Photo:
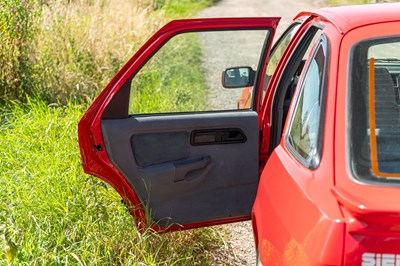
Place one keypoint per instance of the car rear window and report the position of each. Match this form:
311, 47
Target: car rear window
374, 110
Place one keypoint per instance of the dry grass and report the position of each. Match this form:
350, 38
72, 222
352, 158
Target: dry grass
81, 45
116, 27
63, 50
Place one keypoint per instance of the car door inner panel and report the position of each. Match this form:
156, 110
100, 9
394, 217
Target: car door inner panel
192, 170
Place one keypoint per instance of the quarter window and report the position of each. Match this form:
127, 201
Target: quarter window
304, 131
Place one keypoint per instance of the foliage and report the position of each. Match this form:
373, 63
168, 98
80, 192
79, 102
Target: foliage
64, 50
174, 7
17, 34
52, 213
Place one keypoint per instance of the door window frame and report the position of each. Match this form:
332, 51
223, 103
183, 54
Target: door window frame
312, 162
277, 45
289, 69
118, 105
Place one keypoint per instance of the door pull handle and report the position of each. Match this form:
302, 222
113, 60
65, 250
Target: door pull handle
182, 169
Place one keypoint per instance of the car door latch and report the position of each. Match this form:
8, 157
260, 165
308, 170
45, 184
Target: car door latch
98, 147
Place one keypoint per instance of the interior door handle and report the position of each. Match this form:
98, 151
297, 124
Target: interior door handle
182, 169
217, 136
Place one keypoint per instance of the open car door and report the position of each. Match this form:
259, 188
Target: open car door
157, 134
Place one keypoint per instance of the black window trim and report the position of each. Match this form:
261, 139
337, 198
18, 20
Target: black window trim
289, 69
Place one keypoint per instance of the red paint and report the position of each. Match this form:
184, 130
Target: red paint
371, 212
300, 216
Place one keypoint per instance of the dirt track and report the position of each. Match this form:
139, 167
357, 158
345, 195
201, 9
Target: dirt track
239, 248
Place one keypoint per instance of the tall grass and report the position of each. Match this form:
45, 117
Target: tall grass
52, 213
18, 25
83, 44
63, 50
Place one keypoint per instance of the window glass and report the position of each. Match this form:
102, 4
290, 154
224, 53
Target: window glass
279, 48
374, 110
185, 74
304, 129
277, 53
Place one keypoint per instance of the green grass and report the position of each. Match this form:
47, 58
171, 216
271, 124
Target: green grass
183, 8
63, 50
52, 213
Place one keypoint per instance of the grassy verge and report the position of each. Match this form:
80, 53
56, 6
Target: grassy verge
67, 50
52, 213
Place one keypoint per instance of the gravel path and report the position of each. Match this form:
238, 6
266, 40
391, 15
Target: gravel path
239, 246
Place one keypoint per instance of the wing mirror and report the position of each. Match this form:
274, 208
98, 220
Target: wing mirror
238, 77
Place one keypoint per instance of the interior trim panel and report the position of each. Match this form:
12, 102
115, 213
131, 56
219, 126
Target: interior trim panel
188, 167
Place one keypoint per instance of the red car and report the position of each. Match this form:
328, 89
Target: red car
315, 161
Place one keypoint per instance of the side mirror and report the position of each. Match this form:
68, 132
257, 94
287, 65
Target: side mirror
238, 77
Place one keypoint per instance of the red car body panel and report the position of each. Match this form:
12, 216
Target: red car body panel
359, 222
303, 207
300, 216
